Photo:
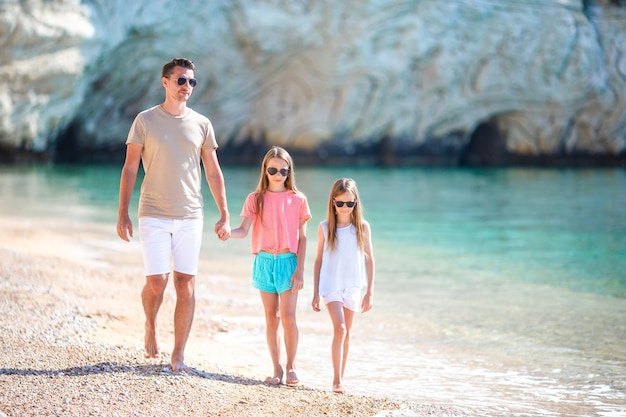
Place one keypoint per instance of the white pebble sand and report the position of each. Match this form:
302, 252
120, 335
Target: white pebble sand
71, 332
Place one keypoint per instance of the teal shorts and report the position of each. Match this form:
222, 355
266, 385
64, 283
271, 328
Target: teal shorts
273, 273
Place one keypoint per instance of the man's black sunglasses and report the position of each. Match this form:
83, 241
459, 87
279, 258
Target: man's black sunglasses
350, 204
183, 80
272, 171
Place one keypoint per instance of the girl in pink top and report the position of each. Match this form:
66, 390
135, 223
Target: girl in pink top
278, 213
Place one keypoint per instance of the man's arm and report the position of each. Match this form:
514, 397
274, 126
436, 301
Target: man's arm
215, 179
127, 184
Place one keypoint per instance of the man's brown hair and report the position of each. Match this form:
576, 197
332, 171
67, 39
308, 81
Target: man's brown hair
177, 62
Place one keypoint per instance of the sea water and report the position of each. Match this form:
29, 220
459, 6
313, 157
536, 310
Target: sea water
500, 291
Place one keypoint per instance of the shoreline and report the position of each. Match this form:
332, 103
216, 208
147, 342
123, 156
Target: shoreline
72, 328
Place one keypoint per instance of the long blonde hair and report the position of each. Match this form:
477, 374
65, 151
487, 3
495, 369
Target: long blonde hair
290, 182
343, 185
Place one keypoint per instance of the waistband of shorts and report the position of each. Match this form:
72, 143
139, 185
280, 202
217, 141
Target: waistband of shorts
276, 256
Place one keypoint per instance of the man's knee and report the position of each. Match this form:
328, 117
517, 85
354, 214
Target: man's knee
157, 283
184, 284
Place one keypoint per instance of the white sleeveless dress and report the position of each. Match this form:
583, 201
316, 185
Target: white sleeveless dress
344, 267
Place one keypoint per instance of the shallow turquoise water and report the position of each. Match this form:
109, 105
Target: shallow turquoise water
564, 227
504, 284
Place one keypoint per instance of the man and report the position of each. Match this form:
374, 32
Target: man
170, 140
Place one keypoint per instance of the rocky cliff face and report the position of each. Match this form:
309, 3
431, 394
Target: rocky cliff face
477, 82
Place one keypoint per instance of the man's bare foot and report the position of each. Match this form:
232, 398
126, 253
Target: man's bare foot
292, 378
179, 366
338, 389
151, 343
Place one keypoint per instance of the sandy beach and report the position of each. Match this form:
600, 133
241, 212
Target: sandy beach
72, 338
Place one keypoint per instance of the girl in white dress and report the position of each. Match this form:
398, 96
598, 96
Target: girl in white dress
344, 265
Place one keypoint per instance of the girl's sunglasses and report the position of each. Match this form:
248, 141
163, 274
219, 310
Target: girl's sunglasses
272, 171
340, 204
183, 80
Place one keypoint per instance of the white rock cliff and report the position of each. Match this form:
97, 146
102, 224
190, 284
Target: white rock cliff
468, 77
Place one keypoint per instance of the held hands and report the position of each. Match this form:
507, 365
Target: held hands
222, 229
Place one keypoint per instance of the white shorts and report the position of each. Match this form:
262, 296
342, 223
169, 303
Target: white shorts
166, 239
349, 297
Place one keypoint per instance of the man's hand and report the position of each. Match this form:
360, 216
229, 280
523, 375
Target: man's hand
222, 229
124, 228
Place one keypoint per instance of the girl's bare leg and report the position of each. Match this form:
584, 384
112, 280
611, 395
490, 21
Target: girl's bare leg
348, 316
288, 302
336, 311
272, 322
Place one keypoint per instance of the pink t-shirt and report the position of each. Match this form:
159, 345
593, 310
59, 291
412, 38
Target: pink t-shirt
280, 226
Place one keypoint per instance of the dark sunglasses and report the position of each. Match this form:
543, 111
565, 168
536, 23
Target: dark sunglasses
183, 80
272, 171
340, 204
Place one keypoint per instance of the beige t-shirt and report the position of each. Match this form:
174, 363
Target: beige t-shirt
172, 145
